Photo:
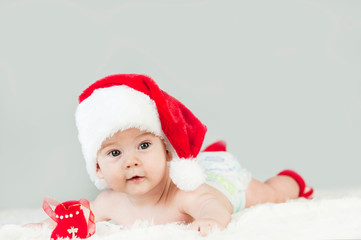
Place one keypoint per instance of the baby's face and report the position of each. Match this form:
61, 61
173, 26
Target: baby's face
133, 161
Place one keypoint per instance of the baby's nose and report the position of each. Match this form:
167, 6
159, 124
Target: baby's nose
132, 161
132, 164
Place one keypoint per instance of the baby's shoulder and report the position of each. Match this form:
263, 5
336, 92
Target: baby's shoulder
200, 190
202, 193
104, 204
192, 201
109, 196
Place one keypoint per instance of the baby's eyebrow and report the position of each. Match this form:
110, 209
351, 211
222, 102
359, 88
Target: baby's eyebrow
106, 145
141, 135
145, 134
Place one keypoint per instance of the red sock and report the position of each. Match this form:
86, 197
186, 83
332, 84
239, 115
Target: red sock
305, 191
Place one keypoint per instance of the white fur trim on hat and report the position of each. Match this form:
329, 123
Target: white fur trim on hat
107, 111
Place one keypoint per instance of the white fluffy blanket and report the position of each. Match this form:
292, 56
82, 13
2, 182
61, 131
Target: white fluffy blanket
330, 215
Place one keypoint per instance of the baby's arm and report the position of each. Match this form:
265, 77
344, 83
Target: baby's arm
100, 206
209, 208
47, 222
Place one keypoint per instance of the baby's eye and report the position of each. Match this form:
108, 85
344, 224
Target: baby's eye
144, 145
114, 153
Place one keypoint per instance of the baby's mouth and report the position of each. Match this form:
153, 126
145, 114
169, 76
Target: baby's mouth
135, 178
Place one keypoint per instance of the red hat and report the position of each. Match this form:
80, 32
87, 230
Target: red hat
123, 101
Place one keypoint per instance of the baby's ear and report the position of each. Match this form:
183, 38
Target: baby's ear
169, 156
99, 172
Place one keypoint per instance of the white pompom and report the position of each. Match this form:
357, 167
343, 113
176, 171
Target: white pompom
187, 174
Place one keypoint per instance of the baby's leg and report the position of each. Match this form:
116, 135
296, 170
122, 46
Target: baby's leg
277, 189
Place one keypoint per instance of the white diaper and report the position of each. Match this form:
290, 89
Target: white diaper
224, 172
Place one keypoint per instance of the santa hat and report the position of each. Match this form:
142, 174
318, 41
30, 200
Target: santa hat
123, 101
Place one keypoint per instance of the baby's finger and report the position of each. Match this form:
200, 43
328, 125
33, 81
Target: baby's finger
205, 230
202, 227
195, 226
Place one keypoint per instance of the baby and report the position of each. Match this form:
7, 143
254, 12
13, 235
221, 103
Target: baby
142, 147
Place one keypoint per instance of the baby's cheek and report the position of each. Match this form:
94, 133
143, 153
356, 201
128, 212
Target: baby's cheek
115, 182
160, 172
109, 174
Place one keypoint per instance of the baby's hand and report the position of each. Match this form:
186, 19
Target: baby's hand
33, 225
46, 223
204, 226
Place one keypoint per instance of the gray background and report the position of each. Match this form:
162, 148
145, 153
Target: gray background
280, 81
